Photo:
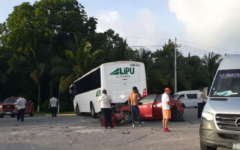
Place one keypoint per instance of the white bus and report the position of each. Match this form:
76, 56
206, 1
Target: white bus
118, 78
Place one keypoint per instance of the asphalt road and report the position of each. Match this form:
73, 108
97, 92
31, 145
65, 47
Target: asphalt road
85, 133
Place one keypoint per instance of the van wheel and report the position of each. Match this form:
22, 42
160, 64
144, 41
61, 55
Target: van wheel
12, 116
93, 114
128, 116
183, 105
31, 114
205, 147
78, 111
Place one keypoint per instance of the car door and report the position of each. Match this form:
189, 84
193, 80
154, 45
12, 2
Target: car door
146, 105
184, 100
157, 107
192, 100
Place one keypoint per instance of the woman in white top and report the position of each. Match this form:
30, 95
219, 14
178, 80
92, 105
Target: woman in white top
106, 110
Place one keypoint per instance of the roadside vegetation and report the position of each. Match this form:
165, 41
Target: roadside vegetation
45, 46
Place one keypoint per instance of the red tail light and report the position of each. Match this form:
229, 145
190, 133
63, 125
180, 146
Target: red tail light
144, 92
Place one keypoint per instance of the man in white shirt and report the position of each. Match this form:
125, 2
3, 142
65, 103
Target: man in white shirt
106, 110
201, 103
21, 102
166, 112
53, 105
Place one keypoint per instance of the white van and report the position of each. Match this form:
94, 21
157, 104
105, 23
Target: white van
187, 98
118, 78
220, 123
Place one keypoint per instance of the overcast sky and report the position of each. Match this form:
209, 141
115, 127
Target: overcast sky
200, 25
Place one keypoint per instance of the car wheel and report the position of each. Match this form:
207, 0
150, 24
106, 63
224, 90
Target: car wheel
128, 116
93, 114
183, 105
12, 116
78, 111
1, 116
31, 114
205, 147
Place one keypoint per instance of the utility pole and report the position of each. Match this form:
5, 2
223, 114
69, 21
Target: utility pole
175, 66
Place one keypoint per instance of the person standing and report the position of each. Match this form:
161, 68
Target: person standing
21, 102
166, 109
201, 103
106, 110
53, 105
133, 103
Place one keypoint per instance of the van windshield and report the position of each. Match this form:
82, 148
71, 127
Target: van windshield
226, 84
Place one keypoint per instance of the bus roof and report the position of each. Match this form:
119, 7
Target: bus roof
109, 63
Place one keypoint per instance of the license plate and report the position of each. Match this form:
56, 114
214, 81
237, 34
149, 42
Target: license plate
236, 146
8, 113
122, 121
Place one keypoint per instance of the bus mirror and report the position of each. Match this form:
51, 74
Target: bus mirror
205, 93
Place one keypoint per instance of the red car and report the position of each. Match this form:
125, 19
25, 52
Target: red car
8, 107
117, 119
150, 107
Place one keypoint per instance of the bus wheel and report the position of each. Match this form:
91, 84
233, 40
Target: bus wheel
78, 111
128, 116
93, 114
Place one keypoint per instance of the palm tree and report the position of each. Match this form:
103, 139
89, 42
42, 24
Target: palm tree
26, 61
211, 63
74, 65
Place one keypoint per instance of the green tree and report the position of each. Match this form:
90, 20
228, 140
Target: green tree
211, 63
74, 65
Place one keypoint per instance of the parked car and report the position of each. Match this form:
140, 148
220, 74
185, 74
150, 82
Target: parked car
150, 107
8, 107
187, 98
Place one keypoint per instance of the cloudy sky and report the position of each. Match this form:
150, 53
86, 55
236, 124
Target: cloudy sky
200, 26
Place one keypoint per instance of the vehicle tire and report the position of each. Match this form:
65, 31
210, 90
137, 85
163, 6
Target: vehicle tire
93, 114
205, 147
183, 105
12, 116
128, 116
31, 114
78, 111
1, 116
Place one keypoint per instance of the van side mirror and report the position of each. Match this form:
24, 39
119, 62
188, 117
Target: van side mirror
205, 93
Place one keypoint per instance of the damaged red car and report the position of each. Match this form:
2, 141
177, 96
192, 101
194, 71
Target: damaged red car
150, 107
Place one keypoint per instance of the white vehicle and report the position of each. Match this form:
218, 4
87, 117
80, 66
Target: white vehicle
220, 123
118, 78
187, 98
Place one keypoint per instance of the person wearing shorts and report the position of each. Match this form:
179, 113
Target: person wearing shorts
166, 109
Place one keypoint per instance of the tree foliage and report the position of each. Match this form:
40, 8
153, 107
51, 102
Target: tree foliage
52, 43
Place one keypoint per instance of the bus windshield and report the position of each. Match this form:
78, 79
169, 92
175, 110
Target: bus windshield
226, 84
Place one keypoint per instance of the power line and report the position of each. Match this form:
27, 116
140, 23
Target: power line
203, 45
195, 48
190, 50
148, 46
146, 38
